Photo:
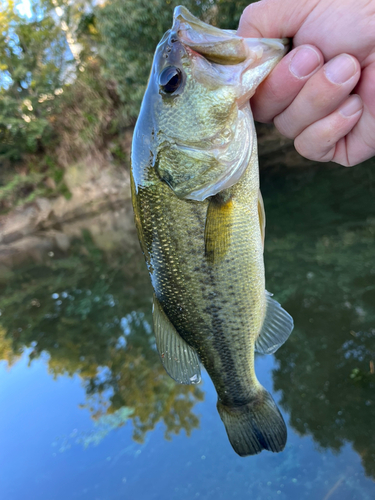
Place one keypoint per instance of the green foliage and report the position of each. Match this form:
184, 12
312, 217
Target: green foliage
34, 65
43, 177
131, 30
88, 116
19, 188
226, 13
50, 113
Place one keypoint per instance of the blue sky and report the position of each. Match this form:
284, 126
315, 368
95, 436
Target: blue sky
24, 8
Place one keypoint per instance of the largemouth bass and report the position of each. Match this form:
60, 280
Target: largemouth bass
200, 220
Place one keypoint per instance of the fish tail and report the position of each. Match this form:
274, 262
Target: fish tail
254, 426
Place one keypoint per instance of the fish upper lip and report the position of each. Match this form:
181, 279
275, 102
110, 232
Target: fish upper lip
185, 25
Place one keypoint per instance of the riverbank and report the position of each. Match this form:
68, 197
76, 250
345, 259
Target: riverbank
33, 229
97, 189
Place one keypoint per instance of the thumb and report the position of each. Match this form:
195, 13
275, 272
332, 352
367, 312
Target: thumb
274, 18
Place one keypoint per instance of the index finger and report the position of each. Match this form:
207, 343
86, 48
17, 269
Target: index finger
273, 18
285, 82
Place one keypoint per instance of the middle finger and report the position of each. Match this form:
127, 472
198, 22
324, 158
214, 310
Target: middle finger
320, 96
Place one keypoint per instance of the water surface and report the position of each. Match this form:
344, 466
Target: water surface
87, 410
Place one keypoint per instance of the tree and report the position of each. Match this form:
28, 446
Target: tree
130, 31
226, 13
35, 63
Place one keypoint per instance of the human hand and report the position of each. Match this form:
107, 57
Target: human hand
308, 95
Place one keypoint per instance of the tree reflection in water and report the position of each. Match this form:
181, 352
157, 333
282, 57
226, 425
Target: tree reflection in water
91, 313
320, 262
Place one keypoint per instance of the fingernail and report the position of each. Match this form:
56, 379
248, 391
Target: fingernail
351, 107
304, 62
340, 69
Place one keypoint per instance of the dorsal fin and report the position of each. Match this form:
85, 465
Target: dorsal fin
179, 359
277, 327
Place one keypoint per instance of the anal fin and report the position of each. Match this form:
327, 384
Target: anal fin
179, 359
277, 326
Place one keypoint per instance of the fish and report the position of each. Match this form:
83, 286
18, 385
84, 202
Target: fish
201, 224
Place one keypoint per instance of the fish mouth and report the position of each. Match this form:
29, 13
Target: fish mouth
223, 46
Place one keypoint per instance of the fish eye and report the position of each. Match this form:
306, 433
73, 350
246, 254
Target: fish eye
170, 79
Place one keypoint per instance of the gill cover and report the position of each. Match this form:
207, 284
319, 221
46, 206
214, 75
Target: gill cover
196, 127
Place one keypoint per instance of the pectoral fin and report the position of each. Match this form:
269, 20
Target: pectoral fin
218, 230
277, 327
179, 359
262, 216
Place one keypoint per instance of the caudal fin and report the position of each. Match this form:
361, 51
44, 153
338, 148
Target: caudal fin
255, 426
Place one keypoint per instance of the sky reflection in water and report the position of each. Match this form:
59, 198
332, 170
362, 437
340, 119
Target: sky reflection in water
87, 407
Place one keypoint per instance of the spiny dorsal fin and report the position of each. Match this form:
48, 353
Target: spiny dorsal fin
262, 216
218, 230
277, 327
179, 359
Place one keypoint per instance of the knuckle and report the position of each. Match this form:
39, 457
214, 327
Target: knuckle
247, 12
274, 92
262, 115
322, 100
284, 126
299, 146
268, 101
307, 150
246, 16
320, 96
253, 19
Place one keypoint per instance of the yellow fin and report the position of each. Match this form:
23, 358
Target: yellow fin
262, 216
218, 230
